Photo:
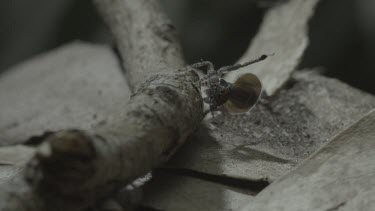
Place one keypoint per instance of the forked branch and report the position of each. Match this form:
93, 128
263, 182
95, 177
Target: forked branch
73, 169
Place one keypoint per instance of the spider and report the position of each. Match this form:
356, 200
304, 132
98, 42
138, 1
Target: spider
216, 91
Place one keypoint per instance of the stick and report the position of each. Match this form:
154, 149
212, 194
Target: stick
73, 168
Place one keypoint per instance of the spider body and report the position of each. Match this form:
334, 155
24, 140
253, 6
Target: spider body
217, 93
238, 97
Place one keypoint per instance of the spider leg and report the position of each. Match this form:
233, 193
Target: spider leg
196, 66
226, 69
211, 109
203, 64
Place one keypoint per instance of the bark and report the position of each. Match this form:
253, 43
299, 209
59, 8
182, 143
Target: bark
145, 38
72, 169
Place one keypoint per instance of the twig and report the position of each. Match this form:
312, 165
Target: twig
145, 38
73, 169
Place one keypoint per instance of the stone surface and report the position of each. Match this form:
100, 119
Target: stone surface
278, 133
15, 155
340, 176
284, 31
13, 160
76, 86
180, 193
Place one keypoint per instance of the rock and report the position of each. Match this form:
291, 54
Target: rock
283, 130
76, 86
173, 192
284, 31
340, 176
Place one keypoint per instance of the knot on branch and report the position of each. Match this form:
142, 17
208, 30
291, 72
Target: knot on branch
63, 162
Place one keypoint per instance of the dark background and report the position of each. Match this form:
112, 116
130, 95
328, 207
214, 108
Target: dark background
342, 32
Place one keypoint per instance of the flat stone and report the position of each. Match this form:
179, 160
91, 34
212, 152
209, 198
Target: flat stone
340, 176
278, 133
76, 86
284, 31
180, 193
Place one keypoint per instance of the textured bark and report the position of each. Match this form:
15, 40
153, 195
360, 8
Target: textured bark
144, 37
73, 168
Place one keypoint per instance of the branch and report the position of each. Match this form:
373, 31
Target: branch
72, 169
145, 37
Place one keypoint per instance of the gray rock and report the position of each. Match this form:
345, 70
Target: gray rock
278, 133
284, 31
76, 86
171, 192
340, 176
